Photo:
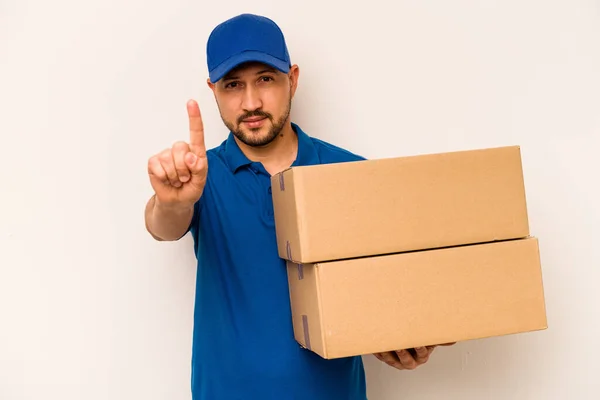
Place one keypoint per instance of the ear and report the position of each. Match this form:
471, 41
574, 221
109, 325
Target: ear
294, 74
210, 84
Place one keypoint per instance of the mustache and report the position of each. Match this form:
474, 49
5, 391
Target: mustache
256, 113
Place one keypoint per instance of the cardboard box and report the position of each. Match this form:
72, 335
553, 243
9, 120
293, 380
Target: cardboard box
391, 302
354, 209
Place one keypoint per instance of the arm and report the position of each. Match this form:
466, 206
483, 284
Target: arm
167, 223
178, 176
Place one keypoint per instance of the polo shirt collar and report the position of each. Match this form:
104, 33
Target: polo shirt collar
307, 153
234, 155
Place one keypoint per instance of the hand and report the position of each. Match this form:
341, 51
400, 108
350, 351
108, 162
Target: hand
408, 358
178, 174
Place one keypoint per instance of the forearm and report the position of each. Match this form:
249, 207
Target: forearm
167, 223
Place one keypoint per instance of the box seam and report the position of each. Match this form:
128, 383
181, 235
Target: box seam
323, 338
299, 210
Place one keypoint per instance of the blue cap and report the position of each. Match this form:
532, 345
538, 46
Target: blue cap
244, 38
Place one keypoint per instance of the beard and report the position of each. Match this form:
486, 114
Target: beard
256, 141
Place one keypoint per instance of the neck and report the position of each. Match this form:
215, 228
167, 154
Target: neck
277, 155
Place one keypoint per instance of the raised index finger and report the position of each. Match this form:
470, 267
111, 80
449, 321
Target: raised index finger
196, 129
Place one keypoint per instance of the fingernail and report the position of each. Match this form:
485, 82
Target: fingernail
184, 178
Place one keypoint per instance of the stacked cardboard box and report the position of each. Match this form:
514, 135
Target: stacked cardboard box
402, 252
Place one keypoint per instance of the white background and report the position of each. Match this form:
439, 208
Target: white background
92, 308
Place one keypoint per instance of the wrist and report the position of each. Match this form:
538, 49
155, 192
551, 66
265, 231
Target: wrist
172, 208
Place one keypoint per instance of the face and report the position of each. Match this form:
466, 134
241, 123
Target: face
254, 101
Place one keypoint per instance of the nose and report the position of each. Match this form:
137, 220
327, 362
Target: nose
251, 99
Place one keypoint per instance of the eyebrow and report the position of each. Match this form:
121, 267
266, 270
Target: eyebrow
266, 70
262, 71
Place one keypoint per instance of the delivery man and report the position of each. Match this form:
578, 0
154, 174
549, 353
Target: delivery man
243, 342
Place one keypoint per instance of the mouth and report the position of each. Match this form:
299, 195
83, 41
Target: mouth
254, 122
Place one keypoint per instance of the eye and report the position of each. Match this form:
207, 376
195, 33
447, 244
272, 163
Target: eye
231, 85
266, 78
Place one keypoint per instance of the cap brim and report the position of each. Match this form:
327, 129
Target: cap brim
247, 56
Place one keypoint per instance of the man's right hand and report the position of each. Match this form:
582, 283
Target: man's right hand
178, 174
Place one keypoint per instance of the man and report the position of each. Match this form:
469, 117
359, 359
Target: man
243, 343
